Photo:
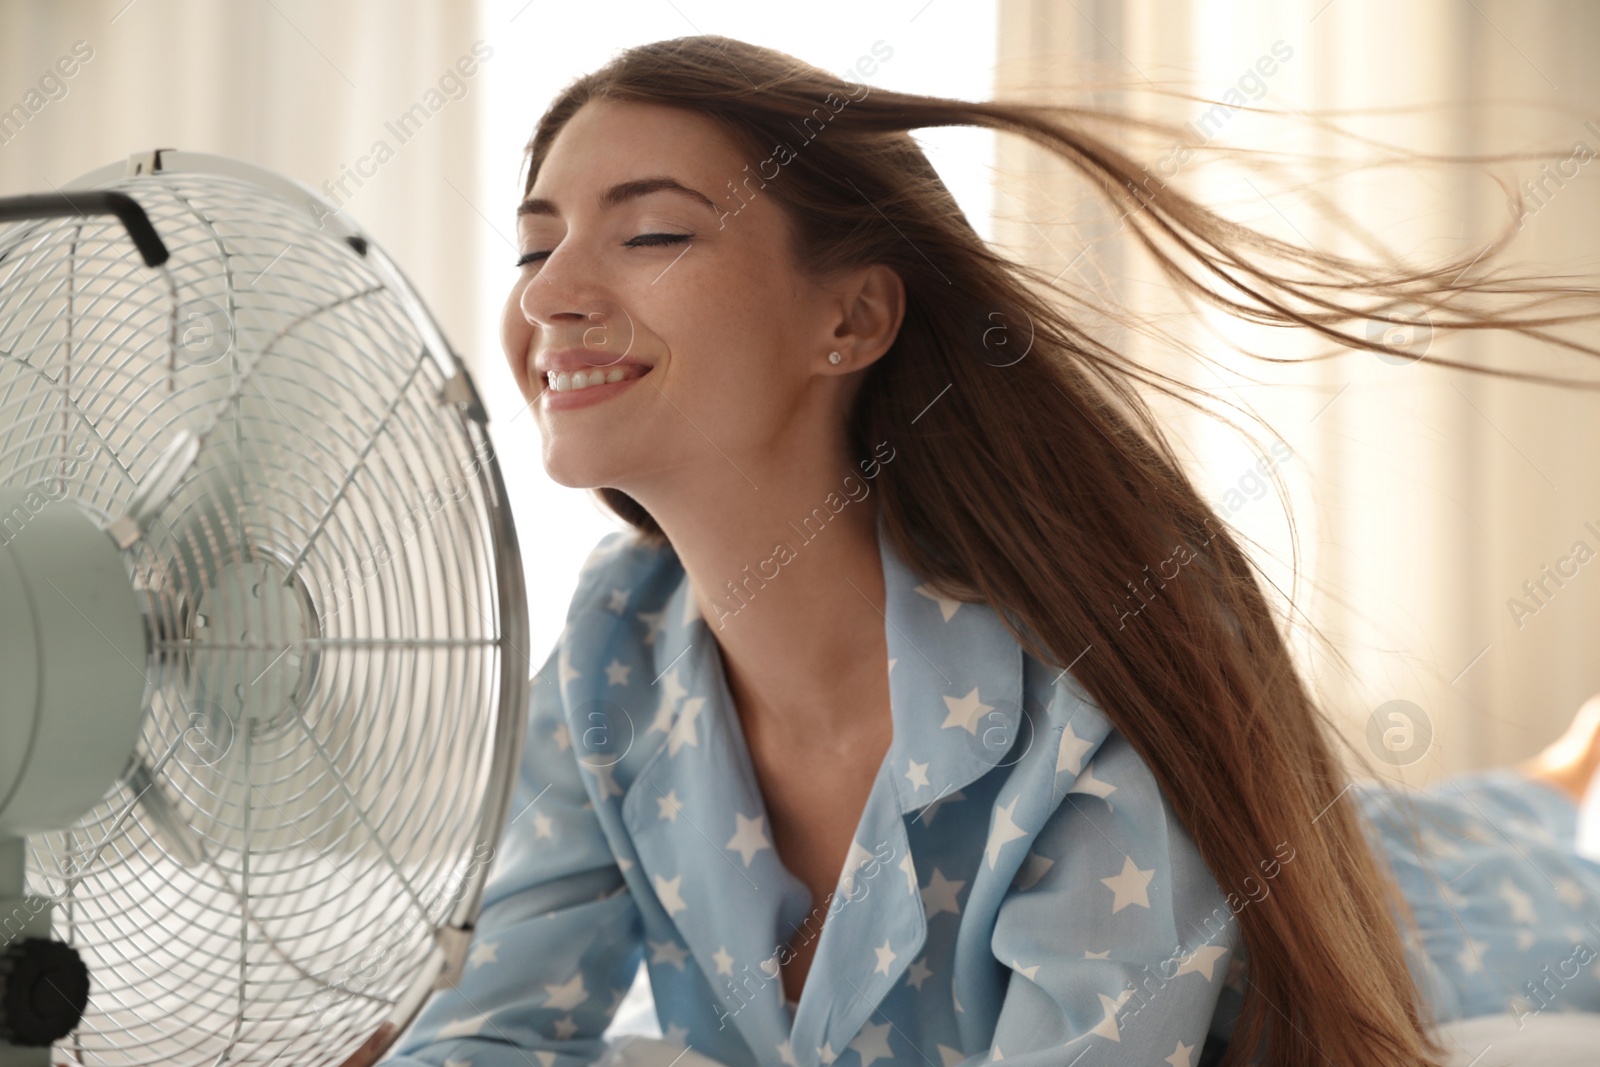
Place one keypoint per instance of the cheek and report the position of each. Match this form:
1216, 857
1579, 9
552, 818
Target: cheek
516, 334
733, 364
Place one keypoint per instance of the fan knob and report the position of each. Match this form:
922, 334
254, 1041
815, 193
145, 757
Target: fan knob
44, 988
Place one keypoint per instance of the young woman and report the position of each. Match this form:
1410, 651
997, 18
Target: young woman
858, 739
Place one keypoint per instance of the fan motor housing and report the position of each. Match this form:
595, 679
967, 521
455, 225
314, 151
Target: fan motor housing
67, 720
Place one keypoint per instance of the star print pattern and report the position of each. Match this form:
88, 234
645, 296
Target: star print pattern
749, 838
1060, 871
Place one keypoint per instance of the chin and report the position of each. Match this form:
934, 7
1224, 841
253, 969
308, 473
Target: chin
580, 472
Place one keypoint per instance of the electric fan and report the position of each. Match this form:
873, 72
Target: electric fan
263, 635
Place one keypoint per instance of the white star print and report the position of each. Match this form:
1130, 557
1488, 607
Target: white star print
563, 736
786, 1055
602, 772
1073, 749
1108, 1026
1525, 940
917, 973
1130, 886
873, 1043
1088, 783
965, 712
947, 607
748, 836
567, 995
1520, 903
543, 825
723, 961
617, 673
1033, 868
619, 601
564, 668
668, 951
676, 1033
1026, 972
683, 731
856, 857
826, 1053
949, 1057
664, 712
910, 870
464, 1027
652, 619
1202, 961
916, 773
1096, 955
940, 895
1180, 1055
672, 691
457, 1063
1438, 845
886, 957
667, 890
1470, 958
669, 806
1570, 892
566, 1026
1004, 830
483, 952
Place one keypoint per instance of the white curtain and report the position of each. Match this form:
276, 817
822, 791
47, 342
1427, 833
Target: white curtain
1424, 498
305, 88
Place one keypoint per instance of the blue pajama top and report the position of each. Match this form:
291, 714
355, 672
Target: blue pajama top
1018, 888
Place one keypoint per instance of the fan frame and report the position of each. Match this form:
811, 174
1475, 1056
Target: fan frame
458, 392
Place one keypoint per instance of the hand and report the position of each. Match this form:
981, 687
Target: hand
373, 1047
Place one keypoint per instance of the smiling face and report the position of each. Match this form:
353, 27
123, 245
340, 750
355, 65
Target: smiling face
719, 343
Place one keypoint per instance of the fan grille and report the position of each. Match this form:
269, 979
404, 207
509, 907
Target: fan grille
327, 612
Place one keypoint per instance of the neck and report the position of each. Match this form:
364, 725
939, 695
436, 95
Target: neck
789, 580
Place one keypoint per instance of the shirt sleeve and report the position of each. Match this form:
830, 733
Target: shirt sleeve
1119, 951
558, 940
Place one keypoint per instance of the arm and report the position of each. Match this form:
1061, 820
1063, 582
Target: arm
1118, 953
558, 941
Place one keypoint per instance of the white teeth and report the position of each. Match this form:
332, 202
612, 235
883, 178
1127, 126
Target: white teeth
569, 381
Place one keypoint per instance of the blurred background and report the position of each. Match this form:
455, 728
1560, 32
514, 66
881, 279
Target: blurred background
1445, 524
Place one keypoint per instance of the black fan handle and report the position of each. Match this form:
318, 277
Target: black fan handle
123, 206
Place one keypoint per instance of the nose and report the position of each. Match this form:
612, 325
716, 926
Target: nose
567, 289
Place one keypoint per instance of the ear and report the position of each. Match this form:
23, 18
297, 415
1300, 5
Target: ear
869, 304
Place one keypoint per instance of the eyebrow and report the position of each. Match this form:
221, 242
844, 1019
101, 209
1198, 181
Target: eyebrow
622, 191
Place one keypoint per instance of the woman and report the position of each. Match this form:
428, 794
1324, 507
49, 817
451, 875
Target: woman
928, 714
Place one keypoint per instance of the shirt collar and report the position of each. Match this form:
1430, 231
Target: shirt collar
689, 798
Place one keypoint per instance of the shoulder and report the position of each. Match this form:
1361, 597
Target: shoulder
624, 568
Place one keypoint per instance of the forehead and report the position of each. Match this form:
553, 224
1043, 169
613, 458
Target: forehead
609, 141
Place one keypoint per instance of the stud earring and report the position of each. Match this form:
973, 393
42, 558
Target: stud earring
834, 357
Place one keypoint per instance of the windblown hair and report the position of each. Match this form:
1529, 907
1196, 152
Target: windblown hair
1044, 486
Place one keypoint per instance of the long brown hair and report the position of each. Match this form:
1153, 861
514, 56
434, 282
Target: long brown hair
1043, 485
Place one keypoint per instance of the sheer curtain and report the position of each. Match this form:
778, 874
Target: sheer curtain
1446, 522
362, 100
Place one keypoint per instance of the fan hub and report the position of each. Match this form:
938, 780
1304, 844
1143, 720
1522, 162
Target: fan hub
255, 616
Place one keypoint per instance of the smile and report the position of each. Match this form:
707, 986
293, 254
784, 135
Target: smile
568, 389
564, 381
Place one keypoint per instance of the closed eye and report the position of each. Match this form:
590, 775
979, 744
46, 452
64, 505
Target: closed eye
644, 240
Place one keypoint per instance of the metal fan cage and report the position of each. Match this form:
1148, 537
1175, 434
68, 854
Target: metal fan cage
338, 666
